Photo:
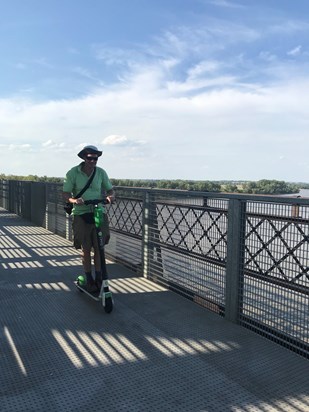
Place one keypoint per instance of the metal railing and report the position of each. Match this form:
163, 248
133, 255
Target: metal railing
244, 257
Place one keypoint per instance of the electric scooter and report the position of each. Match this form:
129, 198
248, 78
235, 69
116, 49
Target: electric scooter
104, 295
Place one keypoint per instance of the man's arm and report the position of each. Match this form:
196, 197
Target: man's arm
67, 197
67, 188
68, 185
110, 195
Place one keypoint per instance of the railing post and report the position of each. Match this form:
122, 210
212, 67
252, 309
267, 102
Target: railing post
11, 196
235, 259
38, 203
145, 233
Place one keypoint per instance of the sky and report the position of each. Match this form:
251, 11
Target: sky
168, 89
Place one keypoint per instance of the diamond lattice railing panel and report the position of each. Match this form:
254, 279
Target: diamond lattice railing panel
197, 230
126, 215
278, 248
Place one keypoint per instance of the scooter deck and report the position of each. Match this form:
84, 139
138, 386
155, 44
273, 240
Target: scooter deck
100, 296
94, 295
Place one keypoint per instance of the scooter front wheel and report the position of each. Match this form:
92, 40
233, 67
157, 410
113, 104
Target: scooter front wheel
108, 307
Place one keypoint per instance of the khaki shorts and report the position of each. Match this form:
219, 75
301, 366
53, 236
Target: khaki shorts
85, 235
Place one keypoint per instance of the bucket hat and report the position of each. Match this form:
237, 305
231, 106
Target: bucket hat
89, 149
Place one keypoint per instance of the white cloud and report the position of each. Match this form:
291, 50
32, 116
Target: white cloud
212, 37
267, 56
194, 85
295, 52
180, 108
219, 126
117, 55
121, 140
225, 3
15, 147
50, 144
86, 73
115, 140
203, 67
289, 27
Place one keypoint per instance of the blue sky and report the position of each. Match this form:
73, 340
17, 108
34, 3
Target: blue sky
169, 89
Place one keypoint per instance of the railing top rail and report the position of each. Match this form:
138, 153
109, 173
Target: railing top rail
282, 199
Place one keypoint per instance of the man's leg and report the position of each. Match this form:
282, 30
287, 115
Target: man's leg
86, 260
82, 240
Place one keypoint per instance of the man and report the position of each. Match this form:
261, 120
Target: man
84, 231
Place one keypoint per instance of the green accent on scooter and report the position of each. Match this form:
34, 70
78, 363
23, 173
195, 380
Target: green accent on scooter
81, 280
98, 216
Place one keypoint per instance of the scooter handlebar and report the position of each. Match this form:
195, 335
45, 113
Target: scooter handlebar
96, 201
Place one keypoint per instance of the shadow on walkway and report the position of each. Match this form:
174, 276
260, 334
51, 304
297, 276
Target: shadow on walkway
155, 352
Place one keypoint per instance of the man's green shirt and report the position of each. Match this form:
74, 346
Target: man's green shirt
76, 180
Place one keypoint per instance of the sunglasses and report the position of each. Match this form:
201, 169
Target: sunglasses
91, 158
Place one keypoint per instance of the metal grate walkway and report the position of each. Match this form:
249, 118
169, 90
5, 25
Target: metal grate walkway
155, 352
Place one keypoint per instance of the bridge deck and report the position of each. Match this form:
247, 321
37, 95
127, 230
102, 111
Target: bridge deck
155, 352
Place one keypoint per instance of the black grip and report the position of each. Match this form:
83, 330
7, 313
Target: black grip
96, 201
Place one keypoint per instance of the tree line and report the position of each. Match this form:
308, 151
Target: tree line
32, 178
263, 186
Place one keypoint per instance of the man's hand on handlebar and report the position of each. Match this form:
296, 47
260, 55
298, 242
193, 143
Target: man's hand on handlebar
110, 198
79, 201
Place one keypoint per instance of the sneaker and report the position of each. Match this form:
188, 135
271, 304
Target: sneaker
91, 287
